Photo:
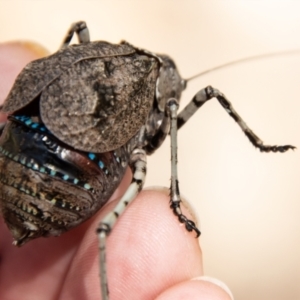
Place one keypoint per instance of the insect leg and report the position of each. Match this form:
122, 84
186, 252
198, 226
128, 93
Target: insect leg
207, 94
172, 106
138, 165
82, 32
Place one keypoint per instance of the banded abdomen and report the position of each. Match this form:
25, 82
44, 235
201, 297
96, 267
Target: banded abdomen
47, 187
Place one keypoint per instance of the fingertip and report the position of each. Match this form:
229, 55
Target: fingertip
147, 251
186, 206
18, 51
36, 49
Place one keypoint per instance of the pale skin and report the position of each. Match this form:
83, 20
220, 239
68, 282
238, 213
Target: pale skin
149, 254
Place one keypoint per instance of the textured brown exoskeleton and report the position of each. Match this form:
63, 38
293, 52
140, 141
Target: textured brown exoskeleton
76, 120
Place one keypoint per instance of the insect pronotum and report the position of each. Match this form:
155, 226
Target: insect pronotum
76, 120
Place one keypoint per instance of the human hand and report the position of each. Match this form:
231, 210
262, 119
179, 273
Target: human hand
150, 255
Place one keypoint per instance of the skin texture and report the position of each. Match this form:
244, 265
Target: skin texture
149, 254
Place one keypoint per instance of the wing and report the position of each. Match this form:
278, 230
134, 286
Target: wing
37, 75
98, 104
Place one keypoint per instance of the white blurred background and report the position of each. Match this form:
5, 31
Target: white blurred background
248, 203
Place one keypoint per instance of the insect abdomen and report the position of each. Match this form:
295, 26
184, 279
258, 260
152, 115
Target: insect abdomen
46, 187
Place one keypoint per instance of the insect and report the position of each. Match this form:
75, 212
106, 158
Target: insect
77, 119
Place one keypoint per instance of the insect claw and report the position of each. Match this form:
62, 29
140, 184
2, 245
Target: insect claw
282, 149
288, 147
189, 225
198, 232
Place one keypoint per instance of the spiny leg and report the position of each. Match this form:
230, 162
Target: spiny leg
82, 32
207, 94
138, 164
172, 106
154, 142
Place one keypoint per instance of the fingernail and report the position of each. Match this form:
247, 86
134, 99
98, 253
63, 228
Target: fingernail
36, 49
216, 282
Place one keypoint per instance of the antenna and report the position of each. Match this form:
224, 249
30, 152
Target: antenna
245, 59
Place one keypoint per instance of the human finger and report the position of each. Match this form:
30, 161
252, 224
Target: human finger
148, 251
204, 288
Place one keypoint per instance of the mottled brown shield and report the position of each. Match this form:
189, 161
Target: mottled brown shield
93, 97
98, 104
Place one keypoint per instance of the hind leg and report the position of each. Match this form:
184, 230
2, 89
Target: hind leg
81, 31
